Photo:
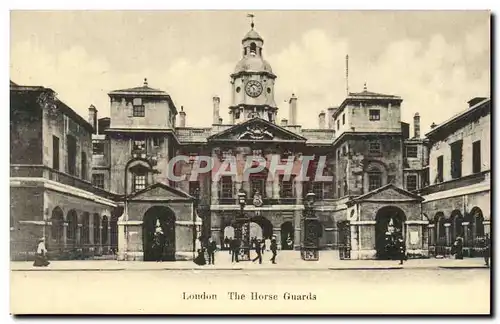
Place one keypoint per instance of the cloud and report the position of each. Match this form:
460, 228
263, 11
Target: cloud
434, 77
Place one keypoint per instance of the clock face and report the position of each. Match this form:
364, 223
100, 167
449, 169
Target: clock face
253, 88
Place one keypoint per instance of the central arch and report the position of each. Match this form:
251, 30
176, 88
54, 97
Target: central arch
389, 222
162, 247
265, 225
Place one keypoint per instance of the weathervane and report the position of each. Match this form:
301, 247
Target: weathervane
251, 16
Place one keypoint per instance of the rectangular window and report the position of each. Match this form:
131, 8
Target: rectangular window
344, 150
476, 157
157, 141
71, 153
338, 124
318, 190
194, 188
257, 153
97, 147
286, 188
139, 146
456, 159
374, 148
226, 187
84, 165
374, 181
98, 180
343, 119
374, 114
411, 182
411, 151
227, 155
55, 152
439, 177
139, 182
138, 108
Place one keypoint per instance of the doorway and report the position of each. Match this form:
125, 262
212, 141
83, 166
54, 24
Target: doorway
389, 225
287, 236
158, 234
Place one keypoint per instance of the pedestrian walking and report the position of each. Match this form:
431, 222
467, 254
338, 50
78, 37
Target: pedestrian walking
263, 247
200, 257
274, 249
41, 254
226, 243
258, 250
486, 250
211, 247
458, 248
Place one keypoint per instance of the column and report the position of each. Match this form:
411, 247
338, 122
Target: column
487, 227
297, 235
237, 186
447, 233
298, 191
276, 187
277, 232
269, 189
246, 186
215, 193
467, 237
122, 241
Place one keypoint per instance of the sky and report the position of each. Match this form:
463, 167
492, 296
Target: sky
435, 60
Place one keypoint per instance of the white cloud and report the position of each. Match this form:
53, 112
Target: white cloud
432, 77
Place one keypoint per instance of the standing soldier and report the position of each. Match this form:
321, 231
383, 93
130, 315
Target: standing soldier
274, 249
235, 250
486, 251
211, 247
400, 249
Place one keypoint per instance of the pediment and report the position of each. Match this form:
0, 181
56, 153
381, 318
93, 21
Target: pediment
160, 192
257, 129
389, 193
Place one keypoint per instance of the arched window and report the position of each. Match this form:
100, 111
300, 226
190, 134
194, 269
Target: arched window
253, 48
456, 224
72, 225
57, 228
374, 179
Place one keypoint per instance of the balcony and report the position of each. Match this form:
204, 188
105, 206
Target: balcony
41, 171
456, 183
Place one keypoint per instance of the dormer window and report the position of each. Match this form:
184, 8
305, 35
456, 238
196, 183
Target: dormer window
138, 108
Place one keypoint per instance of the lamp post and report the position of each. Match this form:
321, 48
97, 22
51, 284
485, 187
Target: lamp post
243, 228
309, 243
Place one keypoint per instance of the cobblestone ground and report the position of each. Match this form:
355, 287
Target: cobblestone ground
439, 291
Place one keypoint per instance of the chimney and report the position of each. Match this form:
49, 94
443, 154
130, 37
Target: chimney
93, 117
475, 101
322, 120
216, 103
293, 110
182, 117
416, 125
284, 122
331, 111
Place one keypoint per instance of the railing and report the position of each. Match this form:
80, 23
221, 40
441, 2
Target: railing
455, 183
472, 248
30, 171
25, 251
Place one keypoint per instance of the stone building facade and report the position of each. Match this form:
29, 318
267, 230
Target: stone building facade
51, 194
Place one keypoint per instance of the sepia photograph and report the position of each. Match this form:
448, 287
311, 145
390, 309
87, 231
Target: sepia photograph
250, 162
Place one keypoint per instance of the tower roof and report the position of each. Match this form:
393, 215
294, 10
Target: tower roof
252, 35
253, 64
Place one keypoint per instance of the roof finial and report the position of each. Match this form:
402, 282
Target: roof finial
364, 88
251, 16
145, 82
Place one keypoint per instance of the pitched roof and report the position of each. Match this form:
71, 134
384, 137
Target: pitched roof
383, 188
366, 93
178, 192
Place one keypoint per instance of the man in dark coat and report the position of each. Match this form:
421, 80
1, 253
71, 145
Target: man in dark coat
486, 251
458, 248
258, 250
235, 248
274, 249
226, 243
211, 247
400, 249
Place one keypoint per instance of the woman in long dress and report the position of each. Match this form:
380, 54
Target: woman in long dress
41, 254
200, 258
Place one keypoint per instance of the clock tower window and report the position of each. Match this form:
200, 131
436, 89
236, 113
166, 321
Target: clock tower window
253, 48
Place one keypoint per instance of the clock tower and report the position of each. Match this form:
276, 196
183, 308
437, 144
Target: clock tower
252, 83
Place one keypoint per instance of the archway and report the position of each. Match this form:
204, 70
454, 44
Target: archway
161, 247
57, 227
476, 223
389, 223
457, 229
287, 236
229, 232
265, 225
255, 231
72, 220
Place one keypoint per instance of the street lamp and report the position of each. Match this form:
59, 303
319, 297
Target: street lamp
309, 243
242, 230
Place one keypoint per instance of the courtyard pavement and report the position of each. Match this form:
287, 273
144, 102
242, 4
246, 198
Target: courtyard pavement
286, 260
